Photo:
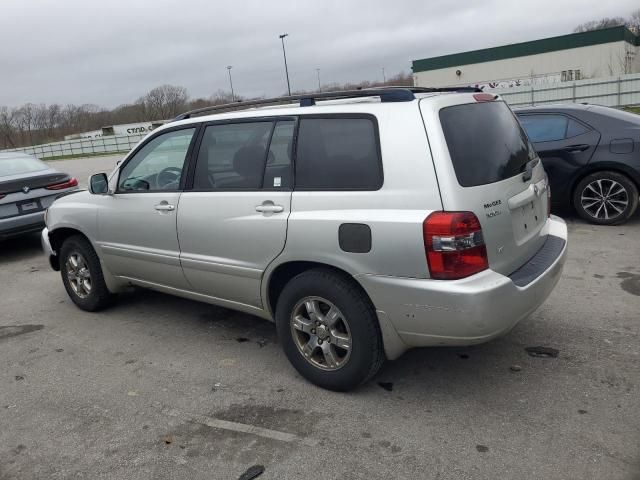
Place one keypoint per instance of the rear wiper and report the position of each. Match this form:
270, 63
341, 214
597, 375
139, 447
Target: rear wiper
528, 169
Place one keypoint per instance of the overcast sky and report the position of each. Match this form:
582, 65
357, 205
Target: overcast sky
112, 52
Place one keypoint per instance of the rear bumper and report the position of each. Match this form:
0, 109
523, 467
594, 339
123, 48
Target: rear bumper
19, 225
472, 310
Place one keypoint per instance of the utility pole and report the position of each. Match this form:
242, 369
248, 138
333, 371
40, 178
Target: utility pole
233, 97
319, 87
286, 70
384, 78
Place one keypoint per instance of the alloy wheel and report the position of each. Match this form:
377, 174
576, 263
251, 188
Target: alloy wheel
604, 199
321, 333
78, 274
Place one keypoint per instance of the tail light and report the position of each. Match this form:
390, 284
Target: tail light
454, 245
72, 182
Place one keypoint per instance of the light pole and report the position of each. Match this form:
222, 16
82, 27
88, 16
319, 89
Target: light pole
233, 97
286, 70
319, 87
384, 78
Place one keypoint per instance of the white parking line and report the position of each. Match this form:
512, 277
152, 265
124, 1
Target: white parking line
242, 428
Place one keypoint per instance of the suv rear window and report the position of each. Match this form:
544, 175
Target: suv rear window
486, 142
338, 154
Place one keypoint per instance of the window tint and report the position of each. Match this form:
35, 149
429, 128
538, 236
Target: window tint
233, 156
575, 128
544, 128
337, 153
485, 141
158, 165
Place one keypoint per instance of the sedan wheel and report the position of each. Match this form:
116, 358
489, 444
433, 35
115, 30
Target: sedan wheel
604, 199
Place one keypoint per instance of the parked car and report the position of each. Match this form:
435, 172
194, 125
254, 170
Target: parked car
363, 223
27, 187
592, 156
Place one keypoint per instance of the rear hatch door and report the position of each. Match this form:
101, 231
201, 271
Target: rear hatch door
486, 165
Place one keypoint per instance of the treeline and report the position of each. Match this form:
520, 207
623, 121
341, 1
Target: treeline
33, 124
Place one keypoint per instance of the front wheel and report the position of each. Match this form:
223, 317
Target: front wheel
82, 275
606, 198
329, 330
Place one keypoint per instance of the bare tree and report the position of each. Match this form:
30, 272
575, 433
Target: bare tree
164, 102
600, 24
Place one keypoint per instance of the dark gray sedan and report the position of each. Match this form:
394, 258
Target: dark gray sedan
27, 188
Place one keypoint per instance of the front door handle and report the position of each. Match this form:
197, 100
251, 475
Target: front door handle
165, 207
576, 148
269, 207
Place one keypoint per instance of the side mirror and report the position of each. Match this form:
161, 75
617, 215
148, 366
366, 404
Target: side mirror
99, 184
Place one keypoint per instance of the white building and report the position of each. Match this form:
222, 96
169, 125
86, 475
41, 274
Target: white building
600, 53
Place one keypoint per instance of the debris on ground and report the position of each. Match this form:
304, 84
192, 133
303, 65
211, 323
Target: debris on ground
515, 368
463, 356
242, 339
388, 386
19, 378
482, 448
542, 352
168, 439
252, 472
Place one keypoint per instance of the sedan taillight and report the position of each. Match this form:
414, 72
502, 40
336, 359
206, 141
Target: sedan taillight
72, 182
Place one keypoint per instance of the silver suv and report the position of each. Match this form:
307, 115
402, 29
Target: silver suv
363, 223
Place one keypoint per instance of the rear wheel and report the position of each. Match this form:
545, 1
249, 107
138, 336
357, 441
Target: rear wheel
329, 330
82, 275
606, 198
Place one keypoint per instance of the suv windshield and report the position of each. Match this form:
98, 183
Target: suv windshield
485, 141
19, 165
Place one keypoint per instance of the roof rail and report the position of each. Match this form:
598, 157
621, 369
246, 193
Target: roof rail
386, 94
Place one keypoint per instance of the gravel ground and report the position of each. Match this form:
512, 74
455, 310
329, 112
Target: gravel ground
165, 388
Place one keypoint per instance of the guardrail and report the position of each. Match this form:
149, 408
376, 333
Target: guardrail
622, 91
83, 146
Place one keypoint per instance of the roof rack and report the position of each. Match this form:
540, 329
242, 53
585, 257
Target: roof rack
386, 94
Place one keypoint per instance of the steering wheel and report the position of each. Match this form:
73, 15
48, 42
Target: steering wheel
168, 176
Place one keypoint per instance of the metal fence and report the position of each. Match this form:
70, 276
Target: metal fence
622, 91
83, 146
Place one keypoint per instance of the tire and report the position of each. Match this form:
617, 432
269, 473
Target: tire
341, 304
599, 194
82, 275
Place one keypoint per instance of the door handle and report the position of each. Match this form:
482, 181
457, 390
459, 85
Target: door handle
165, 207
576, 148
269, 208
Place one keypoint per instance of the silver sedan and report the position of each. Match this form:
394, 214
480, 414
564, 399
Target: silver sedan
27, 188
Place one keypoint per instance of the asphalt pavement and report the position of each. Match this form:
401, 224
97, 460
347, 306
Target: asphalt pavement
159, 387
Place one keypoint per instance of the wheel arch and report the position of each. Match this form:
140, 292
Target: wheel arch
278, 276
619, 168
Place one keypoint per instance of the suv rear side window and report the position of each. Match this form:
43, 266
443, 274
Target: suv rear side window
485, 141
338, 154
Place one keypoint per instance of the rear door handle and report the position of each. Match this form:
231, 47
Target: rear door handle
269, 208
165, 207
576, 148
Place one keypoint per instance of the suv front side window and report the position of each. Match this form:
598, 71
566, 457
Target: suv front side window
159, 164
